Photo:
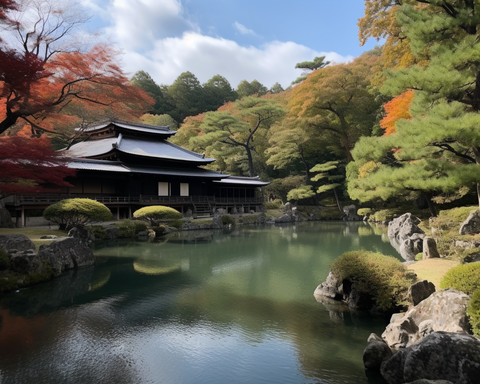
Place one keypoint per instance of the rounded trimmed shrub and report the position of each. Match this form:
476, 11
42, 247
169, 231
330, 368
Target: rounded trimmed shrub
70, 212
465, 278
228, 220
157, 214
384, 278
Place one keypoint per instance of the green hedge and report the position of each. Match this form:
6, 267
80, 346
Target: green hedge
473, 312
228, 220
157, 214
382, 277
465, 278
70, 212
129, 228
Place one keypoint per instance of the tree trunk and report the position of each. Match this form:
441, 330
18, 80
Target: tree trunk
431, 206
8, 122
337, 200
250, 161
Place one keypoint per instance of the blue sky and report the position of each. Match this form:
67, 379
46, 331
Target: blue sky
238, 39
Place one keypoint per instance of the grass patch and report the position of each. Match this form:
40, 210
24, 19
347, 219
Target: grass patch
33, 234
432, 270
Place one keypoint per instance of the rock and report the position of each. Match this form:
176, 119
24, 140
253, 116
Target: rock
430, 248
5, 218
26, 263
49, 237
442, 311
66, 253
376, 352
82, 233
189, 213
286, 218
330, 288
410, 247
350, 213
420, 291
217, 222
472, 224
344, 290
446, 356
405, 236
16, 243
403, 227
287, 207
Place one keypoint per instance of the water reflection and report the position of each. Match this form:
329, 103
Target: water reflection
232, 307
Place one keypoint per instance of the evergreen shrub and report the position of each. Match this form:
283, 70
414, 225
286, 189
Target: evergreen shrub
382, 277
228, 220
98, 231
275, 204
157, 214
70, 212
465, 278
473, 312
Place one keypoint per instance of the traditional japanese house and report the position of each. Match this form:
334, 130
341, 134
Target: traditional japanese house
127, 166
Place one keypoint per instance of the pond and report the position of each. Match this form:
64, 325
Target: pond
198, 307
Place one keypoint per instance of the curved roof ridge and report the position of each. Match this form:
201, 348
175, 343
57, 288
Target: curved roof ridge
199, 155
104, 123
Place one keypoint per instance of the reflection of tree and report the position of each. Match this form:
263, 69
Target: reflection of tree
254, 285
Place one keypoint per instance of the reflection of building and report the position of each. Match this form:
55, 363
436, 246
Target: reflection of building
131, 165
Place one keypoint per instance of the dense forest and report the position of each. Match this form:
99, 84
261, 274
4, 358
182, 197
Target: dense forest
397, 125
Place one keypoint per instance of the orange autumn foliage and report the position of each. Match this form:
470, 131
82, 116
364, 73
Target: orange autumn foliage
396, 109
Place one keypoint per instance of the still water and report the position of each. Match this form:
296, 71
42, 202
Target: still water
205, 307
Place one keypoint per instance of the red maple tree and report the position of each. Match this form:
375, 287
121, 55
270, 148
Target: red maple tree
30, 165
43, 81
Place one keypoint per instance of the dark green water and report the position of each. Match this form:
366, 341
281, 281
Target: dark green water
207, 308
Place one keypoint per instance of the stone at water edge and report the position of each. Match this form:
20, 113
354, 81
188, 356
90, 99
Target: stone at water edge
376, 352
439, 356
444, 310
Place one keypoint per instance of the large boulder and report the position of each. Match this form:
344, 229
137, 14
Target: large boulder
447, 356
405, 236
472, 224
16, 243
26, 262
376, 352
419, 291
81, 232
445, 310
66, 253
345, 291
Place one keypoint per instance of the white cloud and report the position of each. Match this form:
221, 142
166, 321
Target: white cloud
207, 56
157, 37
242, 29
137, 24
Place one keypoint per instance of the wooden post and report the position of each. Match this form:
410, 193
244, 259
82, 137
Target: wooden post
22, 217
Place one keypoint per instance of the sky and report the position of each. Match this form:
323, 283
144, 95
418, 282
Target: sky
249, 40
